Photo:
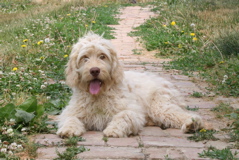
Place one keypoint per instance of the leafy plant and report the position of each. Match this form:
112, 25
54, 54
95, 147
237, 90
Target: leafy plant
28, 112
72, 141
203, 134
197, 94
224, 154
70, 153
192, 109
234, 130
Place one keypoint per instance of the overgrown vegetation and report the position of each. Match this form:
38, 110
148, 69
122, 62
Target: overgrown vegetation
201, 36
36, 39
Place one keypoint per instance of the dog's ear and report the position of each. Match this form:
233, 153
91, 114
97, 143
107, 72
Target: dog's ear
72, 76
116, 70
117, 73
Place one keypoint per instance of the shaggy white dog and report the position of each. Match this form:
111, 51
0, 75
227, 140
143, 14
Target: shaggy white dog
118, 103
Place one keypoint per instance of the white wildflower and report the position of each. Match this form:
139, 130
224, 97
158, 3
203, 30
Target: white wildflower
18, 85
225, 77
13, 146
10, 130
10, 152
19, 147
35, 79
47, 40
13, 93
3, 150
30, 88
43, 86
192, 25
48, 97
23, 129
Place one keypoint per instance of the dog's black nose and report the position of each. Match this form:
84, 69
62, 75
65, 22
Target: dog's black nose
95, 71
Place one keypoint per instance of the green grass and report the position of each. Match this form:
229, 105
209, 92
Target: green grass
35, 42
200, 36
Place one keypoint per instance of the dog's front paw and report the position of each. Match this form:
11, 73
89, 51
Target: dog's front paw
192, 124
70, 131
114, 132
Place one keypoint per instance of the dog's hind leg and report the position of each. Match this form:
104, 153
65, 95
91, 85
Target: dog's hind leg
165, 111
125, 123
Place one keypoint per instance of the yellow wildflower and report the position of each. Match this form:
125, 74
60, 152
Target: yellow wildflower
192, 34
93, 22
68, 14
15, 69
25, 40
42, 58
203, 130
180, 46
65, 56
222, 62
182, 31
165, 42
86, 25
173, 23
39, 42
195, 39
165, 25
23, 46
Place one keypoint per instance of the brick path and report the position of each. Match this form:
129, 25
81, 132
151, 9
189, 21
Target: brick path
152, 142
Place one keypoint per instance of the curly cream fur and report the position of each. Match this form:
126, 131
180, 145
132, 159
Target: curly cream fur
126, 100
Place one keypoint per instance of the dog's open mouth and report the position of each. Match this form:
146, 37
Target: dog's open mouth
95, 85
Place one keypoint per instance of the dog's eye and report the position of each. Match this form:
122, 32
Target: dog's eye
85, 58
102, 56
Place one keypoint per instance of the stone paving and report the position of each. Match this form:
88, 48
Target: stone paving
152, 142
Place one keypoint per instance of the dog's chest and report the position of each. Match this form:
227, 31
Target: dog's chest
98, 113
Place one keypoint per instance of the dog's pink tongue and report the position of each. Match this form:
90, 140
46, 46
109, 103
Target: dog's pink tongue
95, 86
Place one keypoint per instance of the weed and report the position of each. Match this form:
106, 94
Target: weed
202, 135
224, 154
70, 153
234, 127
167, 158
192, 109
222, 109
72, 141
31, 149
137, 51
105, 139
197, 94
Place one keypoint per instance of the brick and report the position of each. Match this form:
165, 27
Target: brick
172, 132
169, 142
164, 153
180, 77
92, 138
192, 153
112, 153
48, 153
201, 104
47, 139
123, 142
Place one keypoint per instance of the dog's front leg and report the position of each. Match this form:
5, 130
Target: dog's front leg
125, 123
70, 126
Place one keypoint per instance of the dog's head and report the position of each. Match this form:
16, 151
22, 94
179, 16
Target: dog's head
93, 65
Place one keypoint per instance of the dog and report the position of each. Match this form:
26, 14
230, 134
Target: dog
105, 98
